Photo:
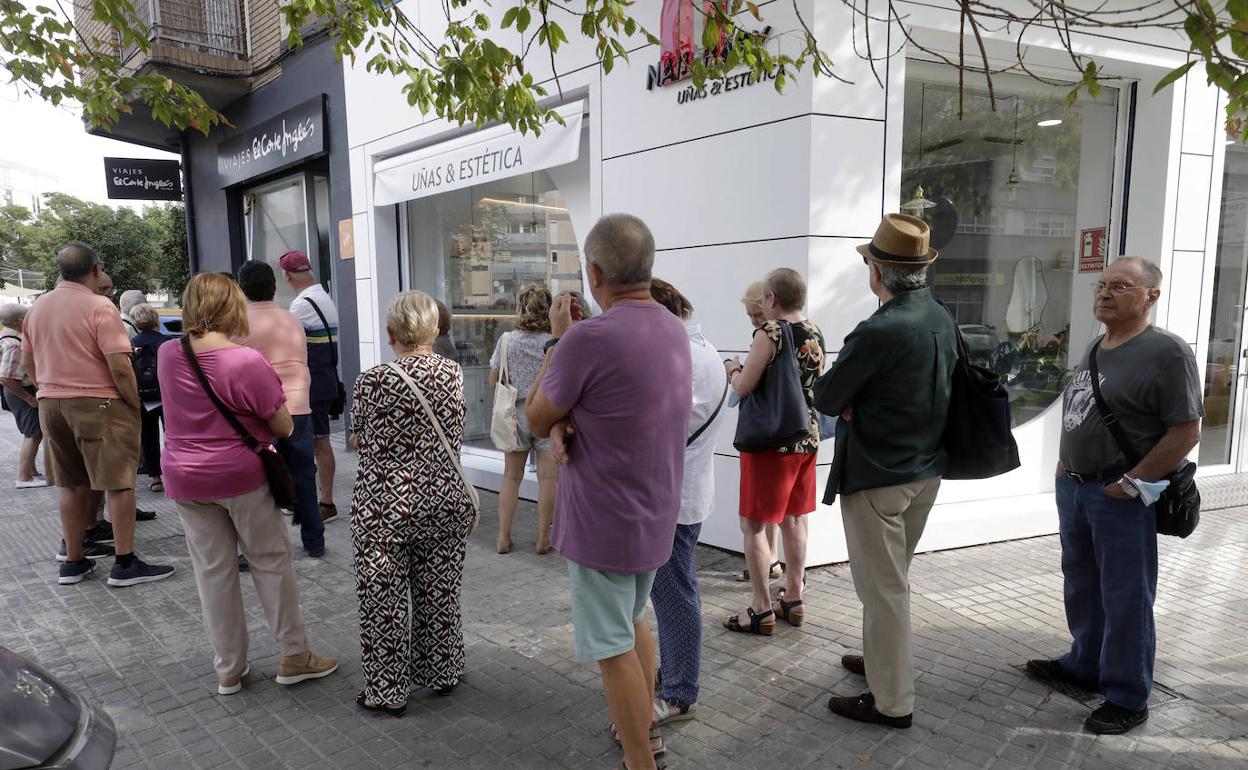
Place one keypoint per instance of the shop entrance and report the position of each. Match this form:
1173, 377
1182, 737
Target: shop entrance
289, 213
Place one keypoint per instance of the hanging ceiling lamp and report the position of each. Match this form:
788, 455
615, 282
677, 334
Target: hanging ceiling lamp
918, 204
1014, 182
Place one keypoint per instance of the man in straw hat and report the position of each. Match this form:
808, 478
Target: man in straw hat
890, 386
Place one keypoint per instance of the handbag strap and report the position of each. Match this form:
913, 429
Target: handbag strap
251, 440
722, 397
333, 349
1107, 416
437, 427
502, 364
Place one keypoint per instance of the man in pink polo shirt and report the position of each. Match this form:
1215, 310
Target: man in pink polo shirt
278, 334
77, 352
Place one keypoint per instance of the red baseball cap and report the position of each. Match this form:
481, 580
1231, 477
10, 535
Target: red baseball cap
294, 261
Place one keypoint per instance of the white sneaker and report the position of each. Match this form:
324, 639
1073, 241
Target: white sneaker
32, 484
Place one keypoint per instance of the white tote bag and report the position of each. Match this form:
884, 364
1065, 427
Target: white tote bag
504, 425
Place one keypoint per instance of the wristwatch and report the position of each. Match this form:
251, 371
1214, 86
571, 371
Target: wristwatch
550, 343
1128, 487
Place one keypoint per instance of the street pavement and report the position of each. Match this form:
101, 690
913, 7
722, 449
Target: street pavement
527, 702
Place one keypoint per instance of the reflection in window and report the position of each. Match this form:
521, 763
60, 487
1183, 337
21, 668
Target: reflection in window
474, 249
1006, 198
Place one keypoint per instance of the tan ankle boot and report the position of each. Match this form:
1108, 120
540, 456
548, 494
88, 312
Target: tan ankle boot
293, 669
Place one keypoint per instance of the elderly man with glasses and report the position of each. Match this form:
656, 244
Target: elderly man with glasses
1148, 379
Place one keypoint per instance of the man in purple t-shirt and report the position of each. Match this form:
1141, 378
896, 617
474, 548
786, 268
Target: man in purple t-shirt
615, 396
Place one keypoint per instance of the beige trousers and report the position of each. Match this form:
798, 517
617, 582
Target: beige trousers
215, 531
882, 528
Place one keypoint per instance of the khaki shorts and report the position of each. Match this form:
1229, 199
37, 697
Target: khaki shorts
91, 442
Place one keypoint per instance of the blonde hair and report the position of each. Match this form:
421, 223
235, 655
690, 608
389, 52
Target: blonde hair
213, 303
753, 294
413, 319
533, 309
788, 287
144, 316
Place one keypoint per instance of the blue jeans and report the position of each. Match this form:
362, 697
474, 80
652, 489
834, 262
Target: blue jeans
1109, 561
678, 610
298, 453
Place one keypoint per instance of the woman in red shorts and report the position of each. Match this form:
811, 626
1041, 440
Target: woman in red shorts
778, 486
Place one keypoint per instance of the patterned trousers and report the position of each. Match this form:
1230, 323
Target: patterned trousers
411, 631
678, 609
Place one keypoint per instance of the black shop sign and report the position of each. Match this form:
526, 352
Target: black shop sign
283, 140
143, 179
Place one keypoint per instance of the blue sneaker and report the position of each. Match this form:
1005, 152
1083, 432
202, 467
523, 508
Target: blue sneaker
74, 571
139, 571
90, 550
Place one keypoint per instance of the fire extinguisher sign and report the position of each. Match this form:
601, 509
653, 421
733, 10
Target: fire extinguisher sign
1092, 250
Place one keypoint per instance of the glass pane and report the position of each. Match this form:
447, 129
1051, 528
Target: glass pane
1226, 322
325, 271
275, 224
474, 249
1007, 193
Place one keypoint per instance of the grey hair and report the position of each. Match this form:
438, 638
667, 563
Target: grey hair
131, 298
144, 317
1152, 273
12, 314
901, 279
76, 261
623, 249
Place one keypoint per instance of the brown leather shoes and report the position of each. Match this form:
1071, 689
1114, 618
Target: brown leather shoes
854, 664
861, 708
293, 669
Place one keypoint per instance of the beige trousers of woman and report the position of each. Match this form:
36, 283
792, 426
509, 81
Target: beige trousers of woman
215, 531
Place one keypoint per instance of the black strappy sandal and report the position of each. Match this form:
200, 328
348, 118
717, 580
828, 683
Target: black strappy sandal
380, 708
792, 612
761, 623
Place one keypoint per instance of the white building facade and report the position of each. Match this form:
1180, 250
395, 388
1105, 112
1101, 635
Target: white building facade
1026, 202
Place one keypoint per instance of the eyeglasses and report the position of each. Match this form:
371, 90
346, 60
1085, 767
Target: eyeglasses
1116, 288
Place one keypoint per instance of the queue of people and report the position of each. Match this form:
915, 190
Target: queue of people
622, 412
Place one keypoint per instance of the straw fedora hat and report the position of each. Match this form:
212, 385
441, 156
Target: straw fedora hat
900, 240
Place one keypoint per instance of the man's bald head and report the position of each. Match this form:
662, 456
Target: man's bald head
76, 261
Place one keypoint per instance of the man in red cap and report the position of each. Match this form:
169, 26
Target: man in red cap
319, 316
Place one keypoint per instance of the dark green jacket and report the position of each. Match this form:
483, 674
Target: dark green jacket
895, 369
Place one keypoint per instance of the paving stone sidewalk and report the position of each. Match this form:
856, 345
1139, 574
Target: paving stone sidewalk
527, 703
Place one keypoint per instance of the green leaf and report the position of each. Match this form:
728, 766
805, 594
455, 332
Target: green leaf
1238, 9
1173, 75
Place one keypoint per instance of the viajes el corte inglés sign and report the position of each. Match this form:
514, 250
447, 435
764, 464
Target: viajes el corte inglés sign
494, 153
283, 140
143, 179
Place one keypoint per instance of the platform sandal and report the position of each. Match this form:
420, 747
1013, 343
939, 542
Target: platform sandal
792, 612
657, 747
761, 623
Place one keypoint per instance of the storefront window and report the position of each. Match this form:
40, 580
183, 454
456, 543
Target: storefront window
1226, 324
474, 249
1010, 195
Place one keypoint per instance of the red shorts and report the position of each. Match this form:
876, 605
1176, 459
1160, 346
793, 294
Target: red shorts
775, 485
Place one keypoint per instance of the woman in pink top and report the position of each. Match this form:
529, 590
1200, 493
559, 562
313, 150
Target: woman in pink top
220, 486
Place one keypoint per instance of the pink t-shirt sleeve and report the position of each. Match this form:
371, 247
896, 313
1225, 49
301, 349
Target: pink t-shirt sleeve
110, 335
570, 364
254, 386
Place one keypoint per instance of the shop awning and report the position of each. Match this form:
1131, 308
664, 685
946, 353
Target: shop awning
483, 156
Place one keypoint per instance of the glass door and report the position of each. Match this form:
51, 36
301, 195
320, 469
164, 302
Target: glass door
1221, 446
290, 213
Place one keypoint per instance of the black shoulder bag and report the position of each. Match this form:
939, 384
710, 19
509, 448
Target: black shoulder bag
978, 441
722, 397
775, 414
1178, 508
340, 401
280, 482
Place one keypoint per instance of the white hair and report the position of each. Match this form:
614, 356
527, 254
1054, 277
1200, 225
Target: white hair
131, 298
12, 314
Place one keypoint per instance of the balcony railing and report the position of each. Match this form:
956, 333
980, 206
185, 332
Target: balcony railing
212, 26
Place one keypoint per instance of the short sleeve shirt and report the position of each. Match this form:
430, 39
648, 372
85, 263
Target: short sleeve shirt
71, 330
11, 356
524, 358
322, 340
204, 457
626, 379
1150, 382
809, 343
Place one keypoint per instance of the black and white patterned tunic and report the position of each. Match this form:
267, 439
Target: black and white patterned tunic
409, 522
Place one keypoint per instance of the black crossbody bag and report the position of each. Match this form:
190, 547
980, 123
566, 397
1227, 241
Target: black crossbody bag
1178, 508
280, 482
340, 401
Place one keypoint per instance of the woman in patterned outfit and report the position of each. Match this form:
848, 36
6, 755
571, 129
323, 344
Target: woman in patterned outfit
410, 515
778, 486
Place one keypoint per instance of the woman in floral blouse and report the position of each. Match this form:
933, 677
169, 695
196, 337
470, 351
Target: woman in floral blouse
778, 486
